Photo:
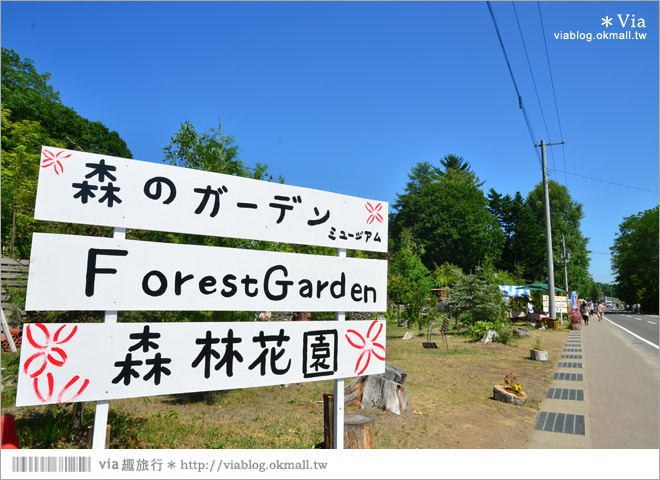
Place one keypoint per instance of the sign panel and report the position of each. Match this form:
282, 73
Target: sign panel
63, 363
86, 188
561, 304
69, 272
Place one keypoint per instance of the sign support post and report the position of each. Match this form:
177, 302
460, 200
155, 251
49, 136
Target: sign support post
103, 406
338, 438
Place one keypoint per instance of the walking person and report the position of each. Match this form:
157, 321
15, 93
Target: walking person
599, 310
584, 311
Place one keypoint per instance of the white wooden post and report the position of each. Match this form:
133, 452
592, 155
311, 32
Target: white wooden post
103, 406
7, 330
338, 438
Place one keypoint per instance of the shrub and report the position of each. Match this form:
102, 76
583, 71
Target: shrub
504, 332
479, 329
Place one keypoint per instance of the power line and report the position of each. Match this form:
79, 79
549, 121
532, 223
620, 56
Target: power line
538, 97
606, 181
554, 94
515, 85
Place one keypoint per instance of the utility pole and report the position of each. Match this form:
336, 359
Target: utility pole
548, 233
565, 257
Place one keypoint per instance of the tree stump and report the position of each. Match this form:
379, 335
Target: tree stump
522, 332
490, 336
384, 391
541, 355
358, 431
503, 395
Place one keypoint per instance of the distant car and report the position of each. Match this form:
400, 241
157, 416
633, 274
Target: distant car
608, 303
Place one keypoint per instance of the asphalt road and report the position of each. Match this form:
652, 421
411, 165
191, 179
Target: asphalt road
644, 326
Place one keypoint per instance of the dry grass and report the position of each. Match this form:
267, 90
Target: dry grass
451, 391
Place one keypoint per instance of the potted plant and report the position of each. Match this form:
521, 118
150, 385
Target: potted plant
537, 352
511, 392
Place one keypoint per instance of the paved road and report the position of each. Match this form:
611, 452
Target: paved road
646, 326
641, 331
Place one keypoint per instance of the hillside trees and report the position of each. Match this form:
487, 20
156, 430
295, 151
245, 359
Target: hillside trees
635, 259
29, 96
33, 116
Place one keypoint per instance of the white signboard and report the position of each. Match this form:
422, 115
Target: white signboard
561, 304
93, 189
69, 272
63, 363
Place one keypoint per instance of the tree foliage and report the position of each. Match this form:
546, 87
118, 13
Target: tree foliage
33, 116
478, 296
409, 281
635, 259
29, 96
566, 216
442, 208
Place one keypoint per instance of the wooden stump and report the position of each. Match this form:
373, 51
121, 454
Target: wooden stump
384, 391
522, 332
358, 431
540, 355
500, 393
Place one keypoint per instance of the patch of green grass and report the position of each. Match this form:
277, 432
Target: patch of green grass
46, 427
10, 362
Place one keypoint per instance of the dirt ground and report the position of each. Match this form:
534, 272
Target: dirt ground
449, 391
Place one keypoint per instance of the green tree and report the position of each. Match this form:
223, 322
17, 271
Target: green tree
29, 96
33, 116
409, 281
635, 259
447, 213
476, 295
566, 216
20, 169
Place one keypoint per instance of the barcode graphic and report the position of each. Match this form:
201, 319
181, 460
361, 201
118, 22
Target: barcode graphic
51, 464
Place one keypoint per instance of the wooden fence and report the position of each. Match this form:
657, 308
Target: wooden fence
13, 286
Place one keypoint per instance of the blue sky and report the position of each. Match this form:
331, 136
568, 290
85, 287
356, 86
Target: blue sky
348, 96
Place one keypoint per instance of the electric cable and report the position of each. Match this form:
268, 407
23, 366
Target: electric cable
515, 85
606, 181
531, 72
554, 93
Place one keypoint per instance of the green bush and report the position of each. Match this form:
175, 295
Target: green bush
479, 329
504, 332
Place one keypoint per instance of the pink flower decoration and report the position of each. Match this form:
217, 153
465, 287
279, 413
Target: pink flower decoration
374, 213
368, 346
47, 352
54, 160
